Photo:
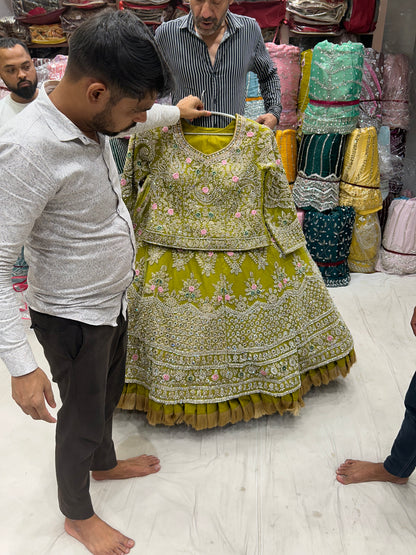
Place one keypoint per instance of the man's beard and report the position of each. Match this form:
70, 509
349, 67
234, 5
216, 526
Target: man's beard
102, 121
26, 92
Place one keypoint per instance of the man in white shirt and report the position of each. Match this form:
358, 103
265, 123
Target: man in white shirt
60, 196
19, 75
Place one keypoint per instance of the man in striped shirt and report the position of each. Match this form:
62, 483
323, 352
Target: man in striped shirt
210, 52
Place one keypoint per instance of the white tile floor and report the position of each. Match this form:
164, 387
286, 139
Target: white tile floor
263, 488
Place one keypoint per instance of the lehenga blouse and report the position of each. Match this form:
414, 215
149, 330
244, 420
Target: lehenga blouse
213, 202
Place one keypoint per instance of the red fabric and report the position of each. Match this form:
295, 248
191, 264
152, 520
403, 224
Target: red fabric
362, 16
267, 14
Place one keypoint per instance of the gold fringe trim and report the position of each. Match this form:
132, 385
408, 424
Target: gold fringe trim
210, 415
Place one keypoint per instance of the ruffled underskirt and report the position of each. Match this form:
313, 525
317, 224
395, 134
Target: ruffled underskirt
211, 415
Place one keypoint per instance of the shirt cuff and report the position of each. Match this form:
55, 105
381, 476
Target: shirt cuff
20, 361
276, 111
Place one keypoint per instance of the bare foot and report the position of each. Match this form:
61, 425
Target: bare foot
98, 537
129, 468
356, 472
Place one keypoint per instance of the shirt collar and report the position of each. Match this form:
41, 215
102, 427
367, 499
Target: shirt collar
61, 126
233, 23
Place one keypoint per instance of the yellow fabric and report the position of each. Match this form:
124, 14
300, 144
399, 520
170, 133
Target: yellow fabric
360, 177
303, 96
365, 244
211, 139
210, 415
223, 335
220, 199
288, 148
305, 63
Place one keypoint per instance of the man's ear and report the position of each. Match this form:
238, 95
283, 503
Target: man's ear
97, 93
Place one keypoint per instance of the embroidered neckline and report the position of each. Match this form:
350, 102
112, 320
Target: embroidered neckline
235, 141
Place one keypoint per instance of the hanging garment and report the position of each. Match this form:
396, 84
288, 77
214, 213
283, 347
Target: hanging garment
360, 179
286, 59
254, 106
398, 251
320, 161
396, 79
328, 239
229, 316
334, 88
371, 92
365, 243
288, 148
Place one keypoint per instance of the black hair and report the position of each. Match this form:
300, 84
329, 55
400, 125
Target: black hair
11, 42
117, 49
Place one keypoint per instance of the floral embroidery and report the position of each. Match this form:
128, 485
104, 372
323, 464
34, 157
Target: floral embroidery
250, 134
218, 318
170, 211
235, 178
165, 129
205, 190
175, 175
188, 160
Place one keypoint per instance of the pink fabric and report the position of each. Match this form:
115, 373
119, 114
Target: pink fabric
56, 67
395, 101
286, 59
398, 251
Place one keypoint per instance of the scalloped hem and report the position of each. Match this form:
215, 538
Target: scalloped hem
211, 415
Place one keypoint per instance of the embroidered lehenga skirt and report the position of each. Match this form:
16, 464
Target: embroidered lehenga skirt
218, 336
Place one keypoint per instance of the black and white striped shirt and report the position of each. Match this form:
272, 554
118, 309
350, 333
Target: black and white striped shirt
222, 84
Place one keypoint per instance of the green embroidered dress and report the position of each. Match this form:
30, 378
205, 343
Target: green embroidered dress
229, 316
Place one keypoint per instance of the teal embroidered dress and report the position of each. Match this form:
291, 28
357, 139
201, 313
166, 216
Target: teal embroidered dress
229, 316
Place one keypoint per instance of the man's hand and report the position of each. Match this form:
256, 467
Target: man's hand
30, 392
191, 107
268, 119
413, 321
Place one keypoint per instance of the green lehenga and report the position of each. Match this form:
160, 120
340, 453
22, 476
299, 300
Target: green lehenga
219, 336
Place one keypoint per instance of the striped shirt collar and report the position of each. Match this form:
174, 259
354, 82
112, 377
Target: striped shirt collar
233, 23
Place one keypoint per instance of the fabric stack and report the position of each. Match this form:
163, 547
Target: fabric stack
372, 89
41, 19
151, 12
360, 188
396, 116
398, 251
332, 96
286, 59
80, 10
315, 17
303, 96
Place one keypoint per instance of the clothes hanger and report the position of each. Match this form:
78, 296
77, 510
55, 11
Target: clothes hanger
207, 133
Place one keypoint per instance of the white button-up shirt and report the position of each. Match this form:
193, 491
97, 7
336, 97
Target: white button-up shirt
60, 197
